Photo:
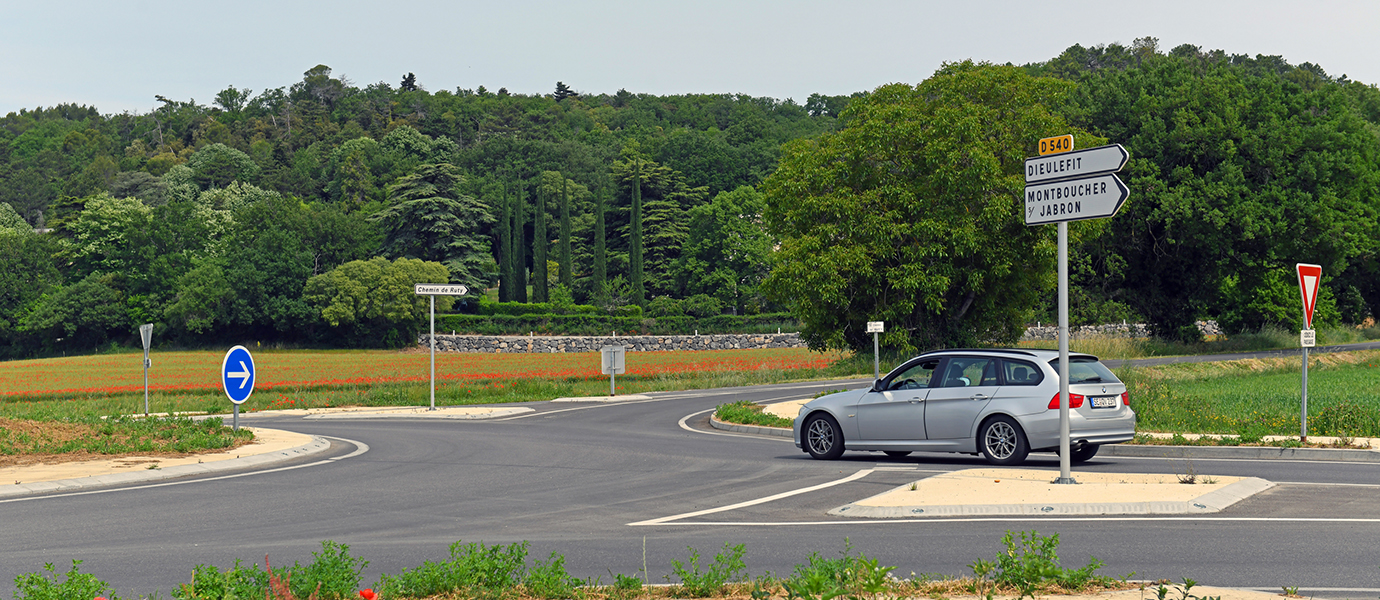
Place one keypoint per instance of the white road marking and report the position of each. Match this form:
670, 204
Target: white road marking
360, 448
665, 520
939, 521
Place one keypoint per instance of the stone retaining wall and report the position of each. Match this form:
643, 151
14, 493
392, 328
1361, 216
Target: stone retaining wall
1134, 330
638, 343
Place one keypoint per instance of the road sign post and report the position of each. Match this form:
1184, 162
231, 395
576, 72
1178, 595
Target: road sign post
1064, 185
434, 290
146, 335
612, 364
237, 378
875, 328
1309, 277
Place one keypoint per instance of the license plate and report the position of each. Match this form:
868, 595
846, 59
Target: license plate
1104, 402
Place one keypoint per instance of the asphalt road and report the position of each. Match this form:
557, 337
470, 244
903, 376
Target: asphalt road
573, 478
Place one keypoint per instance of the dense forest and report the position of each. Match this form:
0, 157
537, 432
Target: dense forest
281, 215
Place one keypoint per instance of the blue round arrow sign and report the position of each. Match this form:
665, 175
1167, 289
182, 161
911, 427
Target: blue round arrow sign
237, 374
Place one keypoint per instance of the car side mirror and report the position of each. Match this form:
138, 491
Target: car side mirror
878, 386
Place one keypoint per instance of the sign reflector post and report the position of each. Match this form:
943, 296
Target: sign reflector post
1309, 277
434, 290
146, 335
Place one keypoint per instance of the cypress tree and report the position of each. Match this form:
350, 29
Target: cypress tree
505, 250
567, 276
520, 245
539, 243
600, 265
635, 243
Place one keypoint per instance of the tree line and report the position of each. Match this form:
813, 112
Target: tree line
300, 213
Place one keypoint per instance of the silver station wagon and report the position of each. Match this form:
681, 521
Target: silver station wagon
1003, 404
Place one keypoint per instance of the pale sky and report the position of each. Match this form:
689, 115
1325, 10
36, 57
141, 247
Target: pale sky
116, 54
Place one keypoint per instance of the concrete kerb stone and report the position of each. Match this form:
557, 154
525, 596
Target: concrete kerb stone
756, 429
316, 445
1242, 452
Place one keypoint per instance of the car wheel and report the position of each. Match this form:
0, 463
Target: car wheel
896, 453
1002, 441
823, 439
1083, 453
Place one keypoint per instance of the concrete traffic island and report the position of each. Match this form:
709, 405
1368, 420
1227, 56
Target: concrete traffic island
1004, 492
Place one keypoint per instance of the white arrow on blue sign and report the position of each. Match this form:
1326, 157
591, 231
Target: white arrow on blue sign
237, 374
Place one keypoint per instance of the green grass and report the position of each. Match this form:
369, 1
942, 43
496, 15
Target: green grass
744, 412
1260, 397
1265, 339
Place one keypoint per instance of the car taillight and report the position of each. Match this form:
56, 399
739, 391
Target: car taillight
1075, 401
1126, 398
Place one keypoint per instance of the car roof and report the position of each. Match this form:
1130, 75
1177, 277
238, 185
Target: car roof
1037, 354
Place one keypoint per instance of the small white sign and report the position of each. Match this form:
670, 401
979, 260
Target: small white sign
613, 360
431, 289
876, 326
1308, 338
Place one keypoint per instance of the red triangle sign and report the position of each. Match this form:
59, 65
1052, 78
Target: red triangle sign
1309, 276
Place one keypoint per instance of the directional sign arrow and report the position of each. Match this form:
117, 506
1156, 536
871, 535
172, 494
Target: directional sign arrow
243, 375
1081, 163
1074, 200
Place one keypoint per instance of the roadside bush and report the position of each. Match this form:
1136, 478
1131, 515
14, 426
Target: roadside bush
37, 586
665, 306
332, 575
702, 306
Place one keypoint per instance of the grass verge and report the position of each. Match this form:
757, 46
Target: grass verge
26, 442
744, 412
1265, 339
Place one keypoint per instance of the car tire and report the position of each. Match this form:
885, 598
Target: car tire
823, 437
1083, 453
896, 453
1002, 442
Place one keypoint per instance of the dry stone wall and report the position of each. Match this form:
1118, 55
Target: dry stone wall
637, 343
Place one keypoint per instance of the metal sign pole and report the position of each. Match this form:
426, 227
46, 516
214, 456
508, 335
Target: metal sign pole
433, 352
1065, 476
236, 419
1303, 409
146, 382
876, 358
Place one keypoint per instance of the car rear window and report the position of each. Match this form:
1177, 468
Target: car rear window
1084, 370
1019, 372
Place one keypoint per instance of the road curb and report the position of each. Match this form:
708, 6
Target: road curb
1241, 452
757, 429
316, 445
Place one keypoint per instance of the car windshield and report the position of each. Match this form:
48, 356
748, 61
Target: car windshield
1084, 370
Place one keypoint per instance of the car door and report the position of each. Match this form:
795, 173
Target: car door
961, 389
897, 413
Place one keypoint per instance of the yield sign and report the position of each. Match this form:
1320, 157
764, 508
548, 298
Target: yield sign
1309, 275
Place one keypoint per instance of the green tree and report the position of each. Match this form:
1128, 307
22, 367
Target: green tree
601, 273
80, 316
429, 219
10, 219
520, 246
27, 272
372, 302
911, 214
567, 275
726, 253
635, 239
506, 245
216, 165
540, 242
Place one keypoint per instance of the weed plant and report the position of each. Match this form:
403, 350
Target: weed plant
48, 585
744, 412
704, 581
849, 576
333, 574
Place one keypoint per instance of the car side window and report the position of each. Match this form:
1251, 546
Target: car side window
915, 377
1018, 372
963, 371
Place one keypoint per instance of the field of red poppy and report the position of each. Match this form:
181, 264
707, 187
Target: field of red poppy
307, 369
